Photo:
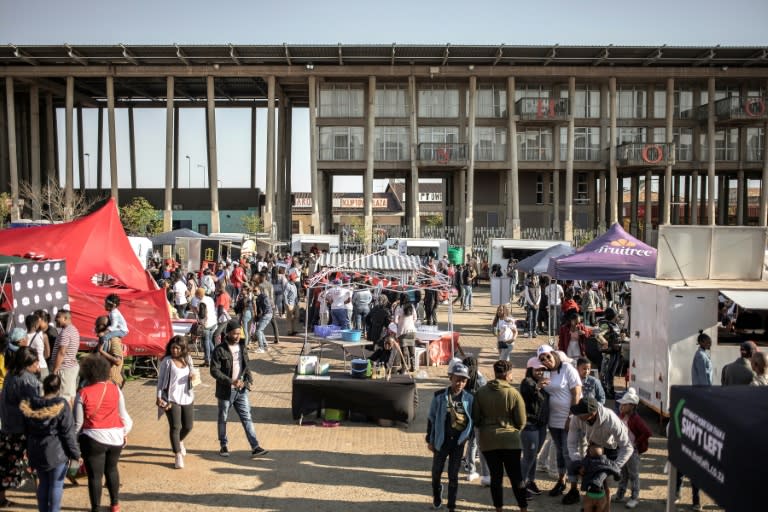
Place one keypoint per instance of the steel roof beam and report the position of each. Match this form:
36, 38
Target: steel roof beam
499, 54
446, 52
341, 58
602, 57
233, 55
551, 55
128, 55
74, 55
706, 57
23, 56
287, 54
654, 57
758, 58
180, 54
392, 59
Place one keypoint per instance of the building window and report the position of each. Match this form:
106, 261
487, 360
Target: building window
391, 101
439, 134
720, 94
490, 144
531, 91
339, 100
683, 103
534, 144
539, 188
391, 143
631, 102
659, 102
582, 189
438, 101
586, 104
341, 143
630, 134
681, 137
586, 144
491, 102
726, 145
755, 144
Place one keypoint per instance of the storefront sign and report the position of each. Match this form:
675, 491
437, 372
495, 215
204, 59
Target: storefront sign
302, 202
359, 203
430, 197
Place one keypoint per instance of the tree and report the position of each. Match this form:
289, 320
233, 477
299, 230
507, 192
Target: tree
5, 208
52, 200
434, 221
252, 223
140, 218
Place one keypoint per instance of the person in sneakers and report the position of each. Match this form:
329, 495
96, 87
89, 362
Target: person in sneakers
476, 381
175, 395
639, 434
229, 367
532, 297
564, 389
449, 425
592, 423
595, 468
499, 412
537, 415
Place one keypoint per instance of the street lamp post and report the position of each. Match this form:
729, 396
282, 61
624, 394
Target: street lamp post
88, 168
204, 170
189, 172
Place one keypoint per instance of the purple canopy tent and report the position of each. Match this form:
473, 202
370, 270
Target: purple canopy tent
613, 256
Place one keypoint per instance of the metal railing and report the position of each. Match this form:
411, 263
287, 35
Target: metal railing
490, 153
542, 109
645, 154
750, 108
443, 152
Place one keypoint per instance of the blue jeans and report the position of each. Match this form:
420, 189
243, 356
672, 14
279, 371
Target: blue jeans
553, 325
340, 317
533, 320
238, 399
360, 314
262, 324
532, 438
208, 344
466, 298
560, 438
50, 488
247, 318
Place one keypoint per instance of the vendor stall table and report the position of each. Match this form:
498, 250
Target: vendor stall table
346, 346
393, 399
438, 344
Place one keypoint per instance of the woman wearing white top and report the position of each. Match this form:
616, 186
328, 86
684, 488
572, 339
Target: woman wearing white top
39, 342
406, 329
175, 395
506, 333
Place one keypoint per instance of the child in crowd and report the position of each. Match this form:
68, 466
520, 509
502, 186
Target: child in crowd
590, 385
506, 333
117, 328
639, 433
595, 468
111, 350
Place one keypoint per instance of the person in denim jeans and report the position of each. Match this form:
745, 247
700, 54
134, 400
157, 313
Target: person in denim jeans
229, 367
532, 296
264, 312
466, 289
537, 411
208, 320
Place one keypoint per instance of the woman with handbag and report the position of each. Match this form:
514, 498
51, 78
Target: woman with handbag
103, 424
176, 378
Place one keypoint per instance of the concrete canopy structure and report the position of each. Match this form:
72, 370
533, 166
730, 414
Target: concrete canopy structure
543, 136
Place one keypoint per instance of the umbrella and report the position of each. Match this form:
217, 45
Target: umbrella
539, 262
169, 237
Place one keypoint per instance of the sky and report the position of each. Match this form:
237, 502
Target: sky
190, 22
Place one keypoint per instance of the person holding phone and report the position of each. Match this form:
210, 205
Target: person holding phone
537, 411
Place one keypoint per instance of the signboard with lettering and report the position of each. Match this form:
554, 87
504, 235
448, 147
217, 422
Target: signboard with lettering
358, 203
302, 202
430, 197
713, 432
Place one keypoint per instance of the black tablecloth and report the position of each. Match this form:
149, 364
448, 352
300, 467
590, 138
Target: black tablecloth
377, 398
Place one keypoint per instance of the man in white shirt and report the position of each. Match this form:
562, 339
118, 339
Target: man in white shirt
338, 298
209, 321
180, 292
554, 293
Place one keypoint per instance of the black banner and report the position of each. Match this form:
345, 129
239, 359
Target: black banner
717, 439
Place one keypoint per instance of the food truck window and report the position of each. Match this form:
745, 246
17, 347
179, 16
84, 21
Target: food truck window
517, 254
742, 315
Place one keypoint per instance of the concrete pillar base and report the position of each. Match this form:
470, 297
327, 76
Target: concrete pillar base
368, 233
469, 229
568, 230
516, 230
215, 222
167, 220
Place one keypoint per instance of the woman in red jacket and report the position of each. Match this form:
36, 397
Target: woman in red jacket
573, 336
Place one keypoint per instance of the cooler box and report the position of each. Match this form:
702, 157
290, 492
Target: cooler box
361, 368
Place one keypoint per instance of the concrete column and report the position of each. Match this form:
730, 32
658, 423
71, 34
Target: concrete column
317, 227
169, 130
662, 206
370, 142
513, 177
50, 140
112, 137
413, 223
99, 147
132, 146
69, 176
470, 221
605, 137
687, 200
462, 194
556, 202
694, 198
176, 161
12, 153
740, 189
278, 213
648, 206
675, 200
634, 203
613, 186
601, 203
213, 169
253, 150
568, 222
711, 150
269, 205
669, 114
723, 184
80, 149
763, 214
34, 138
288, 203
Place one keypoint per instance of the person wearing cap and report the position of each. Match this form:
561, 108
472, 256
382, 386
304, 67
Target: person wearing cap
739, 372
564, 389
537, 416
229, 367
449, 424
639, 434
500, 415
592, 423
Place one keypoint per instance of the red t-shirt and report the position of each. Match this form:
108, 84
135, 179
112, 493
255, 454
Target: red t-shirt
224, 300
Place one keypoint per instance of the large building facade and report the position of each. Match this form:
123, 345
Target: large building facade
557, 138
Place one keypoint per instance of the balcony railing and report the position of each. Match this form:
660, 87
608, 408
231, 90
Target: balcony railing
737, 108
444, 153
494, 153
645, 154
542, 109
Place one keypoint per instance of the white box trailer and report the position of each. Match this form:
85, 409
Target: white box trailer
501, 250
303, 243
695, 266
416, 246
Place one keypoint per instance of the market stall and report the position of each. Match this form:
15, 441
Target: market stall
28, 285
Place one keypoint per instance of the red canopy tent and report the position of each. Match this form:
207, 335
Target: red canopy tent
92, 246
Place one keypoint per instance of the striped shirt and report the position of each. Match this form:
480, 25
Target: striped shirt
68, 341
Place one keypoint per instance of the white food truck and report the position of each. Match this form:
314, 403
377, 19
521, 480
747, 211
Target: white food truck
699, 269
303, 243
501, 250
416, 246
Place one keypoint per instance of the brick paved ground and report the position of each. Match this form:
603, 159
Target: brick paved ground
309, 468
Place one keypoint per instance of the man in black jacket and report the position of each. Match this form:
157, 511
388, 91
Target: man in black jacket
229, 367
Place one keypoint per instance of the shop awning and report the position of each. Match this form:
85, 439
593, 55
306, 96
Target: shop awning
748, 299
376, 262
